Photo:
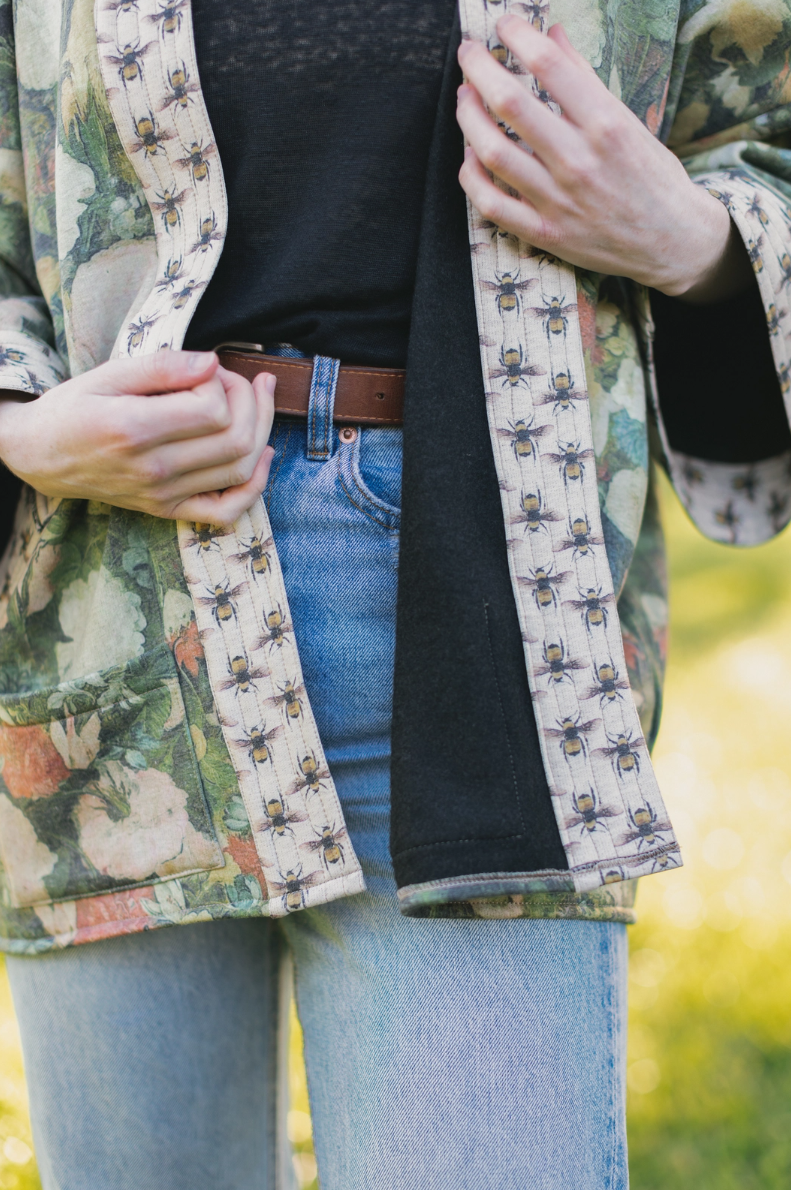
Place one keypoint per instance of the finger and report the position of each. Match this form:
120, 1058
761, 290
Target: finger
553, 138
507, 212
237, 451
225, 508
248, 430
559, 36
580, 92
145, 375
144, 423
508, 161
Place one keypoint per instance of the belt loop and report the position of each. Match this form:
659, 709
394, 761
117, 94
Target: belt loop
321, 406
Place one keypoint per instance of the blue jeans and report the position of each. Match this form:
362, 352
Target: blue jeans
441, 1054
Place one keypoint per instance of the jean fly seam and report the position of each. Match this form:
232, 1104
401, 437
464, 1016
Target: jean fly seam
267, 493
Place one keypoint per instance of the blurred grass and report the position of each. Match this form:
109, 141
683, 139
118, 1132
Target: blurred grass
710, 986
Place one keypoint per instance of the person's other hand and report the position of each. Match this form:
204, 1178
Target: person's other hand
171, 434
599, 190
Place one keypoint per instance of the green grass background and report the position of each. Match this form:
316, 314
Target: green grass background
710, 985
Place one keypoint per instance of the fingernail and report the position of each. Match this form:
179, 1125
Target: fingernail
467, 152
464, 48
271, 382
198, 361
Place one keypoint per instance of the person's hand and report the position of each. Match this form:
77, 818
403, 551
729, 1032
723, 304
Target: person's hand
599, 190
171, 434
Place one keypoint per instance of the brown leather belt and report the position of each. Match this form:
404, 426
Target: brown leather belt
363, 397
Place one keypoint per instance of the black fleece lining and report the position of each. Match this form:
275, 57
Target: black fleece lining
725, 405
469, 792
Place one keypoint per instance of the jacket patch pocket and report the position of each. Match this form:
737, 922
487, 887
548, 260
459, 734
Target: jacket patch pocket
99, 786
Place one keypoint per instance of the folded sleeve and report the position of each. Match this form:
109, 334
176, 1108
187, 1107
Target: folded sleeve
28, 359
724, 371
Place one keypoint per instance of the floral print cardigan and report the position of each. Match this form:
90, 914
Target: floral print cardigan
137, 786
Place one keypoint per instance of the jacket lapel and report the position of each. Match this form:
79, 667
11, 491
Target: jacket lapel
151, 75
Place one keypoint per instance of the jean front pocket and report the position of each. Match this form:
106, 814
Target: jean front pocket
99, 786
369, 470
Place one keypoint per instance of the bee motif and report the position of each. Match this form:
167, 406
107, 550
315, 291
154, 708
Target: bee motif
778, 509
773, 318
557, 666
570, 460
785, 268
612, 876
729, 519
608, 684
123, 5
562, 393
593, 606
196, 161
172, 274
138, 331
536, 13
588, 814
784, 376
205, 536
498, 52
257, 742
647, 827
168, 206
746, 483
497, 233
255, 552
724, 196
220, 603
328, 843
311, 775
571, 734
276, 630
181, 88
543, 583
10, 355
128, 60
182, 296
507, 289
208, 234
692, 474
148, 138
522, 435
622, 753
242, 677
513, 368
554, 313
581, 541
293, 885
532, 515
756, 210
170, 16
289, 698
754, 253
280, 821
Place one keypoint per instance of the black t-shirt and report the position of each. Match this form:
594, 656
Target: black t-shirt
323, 115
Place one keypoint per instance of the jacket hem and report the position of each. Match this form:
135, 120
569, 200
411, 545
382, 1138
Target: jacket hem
498, 896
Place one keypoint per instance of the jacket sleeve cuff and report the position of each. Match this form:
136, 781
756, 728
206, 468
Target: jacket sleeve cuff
746, 503
28, 365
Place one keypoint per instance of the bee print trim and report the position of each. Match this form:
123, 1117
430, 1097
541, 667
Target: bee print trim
540, 424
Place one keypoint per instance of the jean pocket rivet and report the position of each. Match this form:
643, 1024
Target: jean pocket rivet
347, 434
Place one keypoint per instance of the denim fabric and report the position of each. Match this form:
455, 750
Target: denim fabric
441, 1054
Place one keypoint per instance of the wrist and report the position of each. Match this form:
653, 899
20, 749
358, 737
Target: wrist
717, 265
12, 417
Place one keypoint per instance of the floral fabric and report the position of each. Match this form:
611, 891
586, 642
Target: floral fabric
160, 763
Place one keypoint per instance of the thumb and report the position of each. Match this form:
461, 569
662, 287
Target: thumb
148, 375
